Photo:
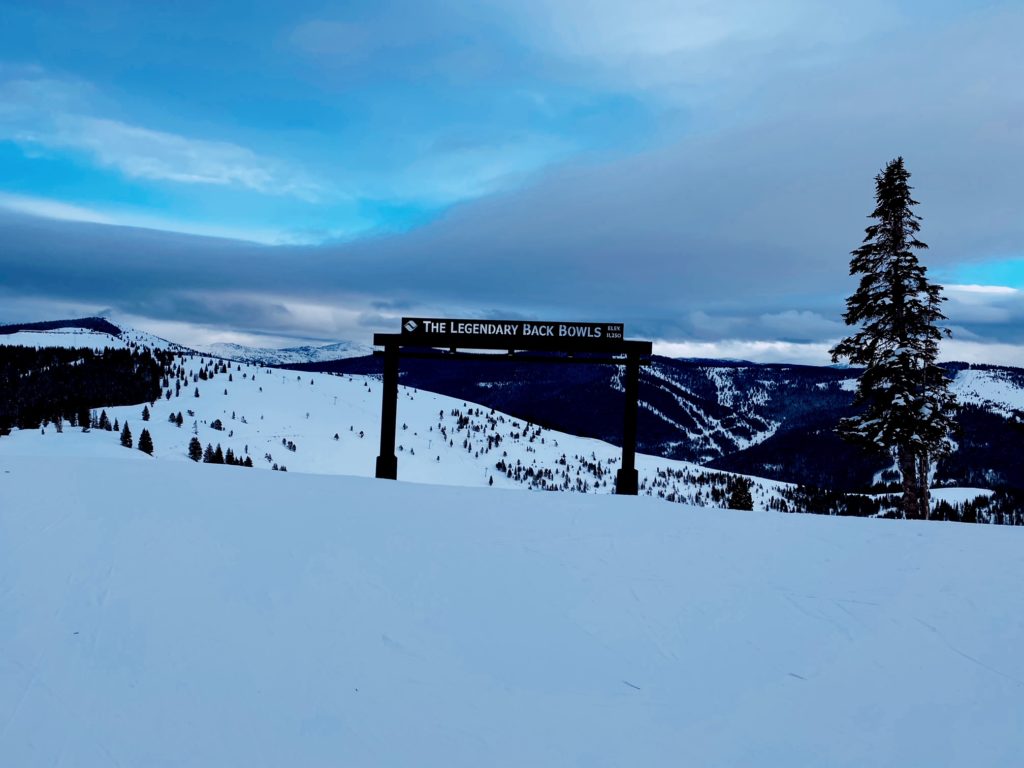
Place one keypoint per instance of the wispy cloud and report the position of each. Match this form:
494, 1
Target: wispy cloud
52, 209
40, 111
148, 154
63, 211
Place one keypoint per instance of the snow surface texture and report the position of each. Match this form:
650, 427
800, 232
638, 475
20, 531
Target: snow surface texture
153, 613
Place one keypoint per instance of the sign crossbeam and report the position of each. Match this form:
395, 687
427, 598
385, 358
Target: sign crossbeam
423, 337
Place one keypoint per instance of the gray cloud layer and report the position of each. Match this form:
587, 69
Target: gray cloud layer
741, 234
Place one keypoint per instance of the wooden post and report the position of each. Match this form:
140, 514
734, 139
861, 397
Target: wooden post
387, 461
627, 480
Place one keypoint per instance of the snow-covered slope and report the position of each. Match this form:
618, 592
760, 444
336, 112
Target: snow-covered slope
73, 338
85, 338
290, 419
1000, 391
289, 355
157, 613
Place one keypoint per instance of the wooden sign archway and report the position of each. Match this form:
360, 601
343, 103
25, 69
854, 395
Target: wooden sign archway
447, 339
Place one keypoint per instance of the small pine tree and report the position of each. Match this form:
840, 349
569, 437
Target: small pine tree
178, 420
126, 436
104, 422
208, 454
197, 392
146, 442
739, 495
195, 449
907, 408
145, 413
218, 455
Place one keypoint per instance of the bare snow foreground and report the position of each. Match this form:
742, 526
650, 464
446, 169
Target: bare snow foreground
162, 614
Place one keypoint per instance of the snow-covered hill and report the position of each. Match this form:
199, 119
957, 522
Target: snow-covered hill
99, 333
158, 613
994, 389
289, 355
326, 424
87, 333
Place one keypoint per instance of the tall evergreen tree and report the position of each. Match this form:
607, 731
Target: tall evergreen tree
126, 436
146, 442
906, 406
195, 449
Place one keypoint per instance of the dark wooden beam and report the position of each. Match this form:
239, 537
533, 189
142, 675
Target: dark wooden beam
387, 461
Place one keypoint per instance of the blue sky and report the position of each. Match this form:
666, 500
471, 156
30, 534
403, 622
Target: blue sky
699, 170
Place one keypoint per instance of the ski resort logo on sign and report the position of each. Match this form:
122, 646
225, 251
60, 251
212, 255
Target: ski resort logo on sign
510, 329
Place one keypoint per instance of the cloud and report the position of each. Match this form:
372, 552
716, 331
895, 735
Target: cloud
62, 211
755, 351
42, 111
143, 153
731, 233
52, 209
987, 309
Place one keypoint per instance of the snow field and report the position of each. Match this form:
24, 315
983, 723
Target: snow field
154, 613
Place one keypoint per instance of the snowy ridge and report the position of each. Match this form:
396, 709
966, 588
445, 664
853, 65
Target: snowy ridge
86, 338
69, 338
289, 355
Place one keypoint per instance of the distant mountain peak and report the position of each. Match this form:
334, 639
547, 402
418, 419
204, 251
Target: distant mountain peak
338, 350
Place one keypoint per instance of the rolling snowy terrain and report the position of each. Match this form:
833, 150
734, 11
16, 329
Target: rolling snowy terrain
158, 613
282, 418
326, 424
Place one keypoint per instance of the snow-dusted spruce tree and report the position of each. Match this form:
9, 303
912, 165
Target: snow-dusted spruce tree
146, 442
906, 406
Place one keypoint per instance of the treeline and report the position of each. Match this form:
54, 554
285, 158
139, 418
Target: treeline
54, 384
1003, 507
96, 324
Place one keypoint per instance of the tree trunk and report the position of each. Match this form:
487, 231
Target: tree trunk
923, 496
911, 497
